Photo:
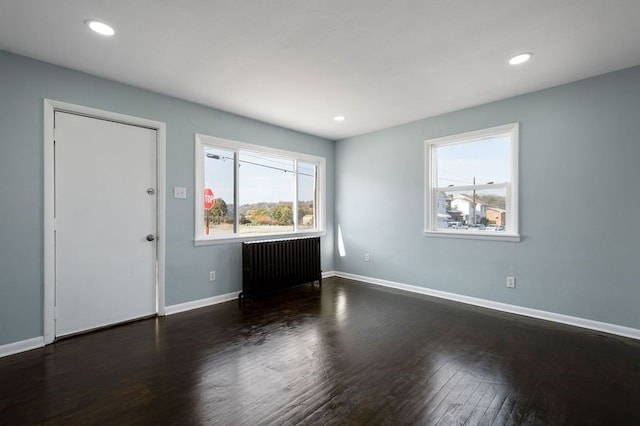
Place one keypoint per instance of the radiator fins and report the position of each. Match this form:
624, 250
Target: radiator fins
271, 266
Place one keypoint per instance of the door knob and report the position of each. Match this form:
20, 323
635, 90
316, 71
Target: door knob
151, 237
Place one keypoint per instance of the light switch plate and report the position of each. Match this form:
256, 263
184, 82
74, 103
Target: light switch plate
179, 192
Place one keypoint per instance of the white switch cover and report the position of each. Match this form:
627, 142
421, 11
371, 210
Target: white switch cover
179, 192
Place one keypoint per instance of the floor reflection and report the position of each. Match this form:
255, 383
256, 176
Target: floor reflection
262, 371
346, 354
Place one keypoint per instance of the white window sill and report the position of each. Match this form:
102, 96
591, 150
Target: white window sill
231, 239
469, 235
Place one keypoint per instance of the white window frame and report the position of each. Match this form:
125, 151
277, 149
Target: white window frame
202, 141
431, 229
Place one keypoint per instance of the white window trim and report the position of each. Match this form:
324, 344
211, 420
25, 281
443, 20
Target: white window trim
431, 176
213, 141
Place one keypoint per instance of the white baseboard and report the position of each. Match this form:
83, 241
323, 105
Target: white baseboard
504, 307
182, 307
38, 342
21, 346
201, 303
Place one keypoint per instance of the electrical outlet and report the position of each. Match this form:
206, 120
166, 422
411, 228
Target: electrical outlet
511, 282
212, 275
367, 257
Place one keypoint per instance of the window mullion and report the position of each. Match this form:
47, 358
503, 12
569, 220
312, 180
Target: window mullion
509, 209
236, 192
317, 212
471, 187
295, 198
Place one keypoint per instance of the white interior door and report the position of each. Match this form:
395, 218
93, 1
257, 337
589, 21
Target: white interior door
105, 207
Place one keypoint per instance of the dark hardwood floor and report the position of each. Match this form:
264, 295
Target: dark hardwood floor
347, 354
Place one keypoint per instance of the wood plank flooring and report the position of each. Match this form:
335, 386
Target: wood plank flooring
349, 353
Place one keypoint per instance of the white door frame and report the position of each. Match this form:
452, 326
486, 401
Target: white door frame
50, 107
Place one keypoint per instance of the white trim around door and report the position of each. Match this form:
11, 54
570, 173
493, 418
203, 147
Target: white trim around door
50, 107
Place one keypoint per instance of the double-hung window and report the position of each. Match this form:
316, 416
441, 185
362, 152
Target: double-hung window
251, 192
472, 184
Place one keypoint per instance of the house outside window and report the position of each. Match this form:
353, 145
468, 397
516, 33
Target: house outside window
250, 192
471, 184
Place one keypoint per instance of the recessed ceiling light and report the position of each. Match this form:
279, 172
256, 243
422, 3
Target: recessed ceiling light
520, 58
339, 117
99, 27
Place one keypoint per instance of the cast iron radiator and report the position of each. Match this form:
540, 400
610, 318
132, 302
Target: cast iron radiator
273, 265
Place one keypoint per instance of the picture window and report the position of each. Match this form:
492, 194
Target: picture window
249, 191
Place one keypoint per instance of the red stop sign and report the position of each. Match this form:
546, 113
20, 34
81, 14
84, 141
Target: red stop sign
208, 198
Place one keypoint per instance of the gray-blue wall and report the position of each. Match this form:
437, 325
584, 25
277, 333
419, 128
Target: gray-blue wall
579, 204
24, 83
579, 149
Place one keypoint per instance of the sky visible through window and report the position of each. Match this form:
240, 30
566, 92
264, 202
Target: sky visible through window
263, 179
219, 173
486, 160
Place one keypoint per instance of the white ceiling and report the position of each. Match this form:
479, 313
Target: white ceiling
297, 63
